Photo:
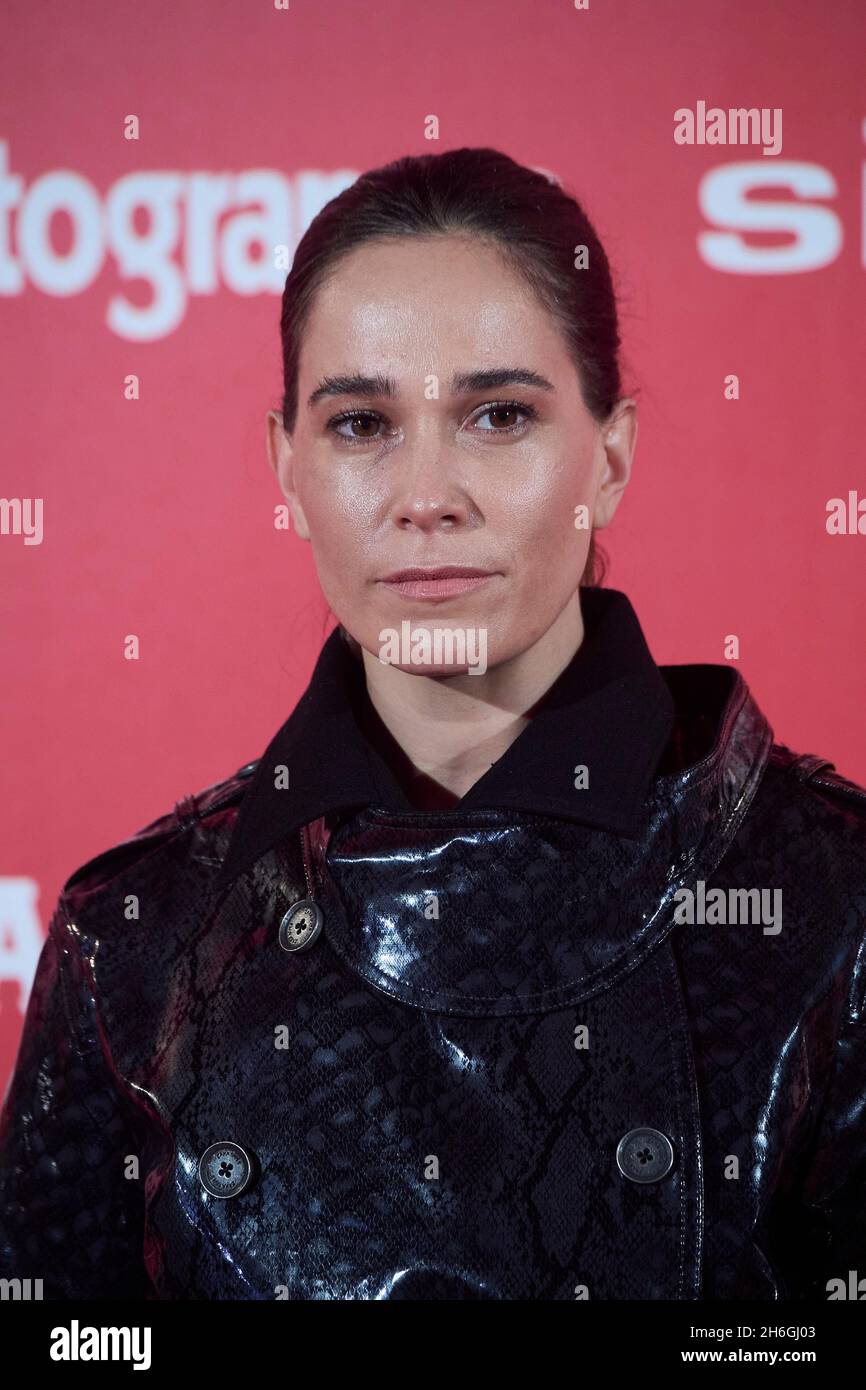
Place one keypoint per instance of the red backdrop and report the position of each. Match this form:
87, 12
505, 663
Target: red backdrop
154, 257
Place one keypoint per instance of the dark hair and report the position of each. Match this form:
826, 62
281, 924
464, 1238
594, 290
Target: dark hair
526, 215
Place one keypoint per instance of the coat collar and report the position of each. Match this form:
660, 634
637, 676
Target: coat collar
491, 913
523, 898
610, 709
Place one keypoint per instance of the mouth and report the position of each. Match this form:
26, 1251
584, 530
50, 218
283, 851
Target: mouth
444, 582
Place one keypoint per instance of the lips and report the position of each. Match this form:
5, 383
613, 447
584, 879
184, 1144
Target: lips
440, 572
441, 582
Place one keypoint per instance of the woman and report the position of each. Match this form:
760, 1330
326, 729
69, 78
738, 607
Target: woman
517, 966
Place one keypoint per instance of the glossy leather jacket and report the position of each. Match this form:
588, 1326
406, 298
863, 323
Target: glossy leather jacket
576, 1095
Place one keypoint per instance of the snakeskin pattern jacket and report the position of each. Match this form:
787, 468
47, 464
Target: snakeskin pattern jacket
596, 1032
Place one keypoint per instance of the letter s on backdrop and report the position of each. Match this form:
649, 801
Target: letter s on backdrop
817, 231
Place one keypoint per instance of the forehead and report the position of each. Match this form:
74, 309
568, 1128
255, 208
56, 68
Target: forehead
423, 302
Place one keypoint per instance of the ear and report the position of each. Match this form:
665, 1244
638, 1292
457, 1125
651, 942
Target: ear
282, 461
618, 441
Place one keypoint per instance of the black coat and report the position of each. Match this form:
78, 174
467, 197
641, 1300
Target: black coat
507, 1066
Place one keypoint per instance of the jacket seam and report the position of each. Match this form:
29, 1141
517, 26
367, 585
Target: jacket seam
680, 1126
68, 948
850, 792
849, 1019
694, 1098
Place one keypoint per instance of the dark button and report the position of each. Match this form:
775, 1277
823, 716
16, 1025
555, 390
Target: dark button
301, 925
644, 1155
224, 1169
247, 770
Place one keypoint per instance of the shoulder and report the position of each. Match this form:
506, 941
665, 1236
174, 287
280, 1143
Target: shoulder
808, 820
812, 780
709, 699
194, 829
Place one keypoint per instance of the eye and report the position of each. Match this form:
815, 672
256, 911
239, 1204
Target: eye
508, 409
364, 418
356, 427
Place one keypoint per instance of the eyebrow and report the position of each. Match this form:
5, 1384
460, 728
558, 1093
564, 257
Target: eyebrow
462, 383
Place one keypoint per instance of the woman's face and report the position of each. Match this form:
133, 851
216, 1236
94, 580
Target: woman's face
421, 466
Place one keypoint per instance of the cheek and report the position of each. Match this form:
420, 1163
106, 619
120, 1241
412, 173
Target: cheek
333, 540
343, 544
333, 517
537, 514
341, 499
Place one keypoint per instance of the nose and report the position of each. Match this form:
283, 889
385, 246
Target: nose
429, 513
428, 495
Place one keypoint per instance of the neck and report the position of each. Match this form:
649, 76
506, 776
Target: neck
440, 734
